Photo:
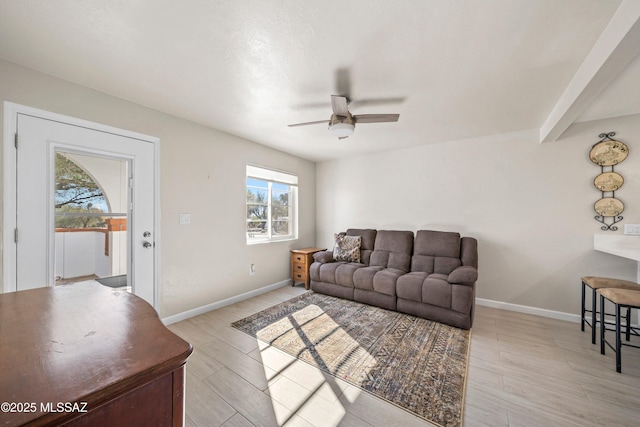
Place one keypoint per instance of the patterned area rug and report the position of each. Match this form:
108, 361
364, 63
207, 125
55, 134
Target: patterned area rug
414, 363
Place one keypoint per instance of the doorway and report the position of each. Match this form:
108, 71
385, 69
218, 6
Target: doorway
112, 208
90, 201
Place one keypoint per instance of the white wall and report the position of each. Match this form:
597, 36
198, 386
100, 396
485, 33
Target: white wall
203, 173
530, 205
103, 262
76, 253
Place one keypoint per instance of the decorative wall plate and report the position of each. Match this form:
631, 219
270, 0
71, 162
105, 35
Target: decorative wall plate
608, 181
608, 153
608, 206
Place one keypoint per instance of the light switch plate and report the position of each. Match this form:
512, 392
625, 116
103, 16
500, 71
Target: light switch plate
185, 218
632, 229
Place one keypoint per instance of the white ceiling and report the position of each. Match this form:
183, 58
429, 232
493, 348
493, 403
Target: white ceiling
465, 68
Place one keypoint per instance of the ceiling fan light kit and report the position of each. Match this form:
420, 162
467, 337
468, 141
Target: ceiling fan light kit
341, 130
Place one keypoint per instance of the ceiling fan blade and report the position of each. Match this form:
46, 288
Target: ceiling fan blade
309, 123
354, 103
343, 82
311, 105
376, 118
340, 105
376, 101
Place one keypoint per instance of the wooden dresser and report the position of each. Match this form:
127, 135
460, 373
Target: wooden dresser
88, 355
301, 259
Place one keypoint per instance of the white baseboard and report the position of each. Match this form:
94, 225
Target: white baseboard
219, 304
559, 315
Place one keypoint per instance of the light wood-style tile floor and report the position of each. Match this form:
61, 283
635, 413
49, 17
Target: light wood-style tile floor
524, 370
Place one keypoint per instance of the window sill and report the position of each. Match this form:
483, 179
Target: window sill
260, 242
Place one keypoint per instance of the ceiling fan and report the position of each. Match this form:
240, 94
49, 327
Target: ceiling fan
342, 123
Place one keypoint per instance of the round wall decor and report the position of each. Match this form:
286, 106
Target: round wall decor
608, 206
608, 181
609, 153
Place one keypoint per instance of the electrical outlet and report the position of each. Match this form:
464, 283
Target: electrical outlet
252, 269
632, 229
185, 218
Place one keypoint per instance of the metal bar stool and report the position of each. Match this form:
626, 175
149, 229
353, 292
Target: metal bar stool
621, 298
596, 283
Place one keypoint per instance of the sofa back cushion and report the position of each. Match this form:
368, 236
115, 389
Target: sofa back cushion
368, 238
392, 249
436, 252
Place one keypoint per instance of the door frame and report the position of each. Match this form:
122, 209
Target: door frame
9, 208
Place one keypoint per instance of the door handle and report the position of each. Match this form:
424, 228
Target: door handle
147, 244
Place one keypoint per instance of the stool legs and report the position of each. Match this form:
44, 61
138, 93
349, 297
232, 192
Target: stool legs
583, 308
602, 325
623, 295
594, 299
618, 330
628, 328
594, 310
618, 346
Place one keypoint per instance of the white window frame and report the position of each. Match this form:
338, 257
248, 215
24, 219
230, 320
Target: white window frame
272, 176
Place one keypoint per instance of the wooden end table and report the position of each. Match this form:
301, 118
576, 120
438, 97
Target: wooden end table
301, 260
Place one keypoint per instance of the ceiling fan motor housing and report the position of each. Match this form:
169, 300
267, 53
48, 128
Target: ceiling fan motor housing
335, 119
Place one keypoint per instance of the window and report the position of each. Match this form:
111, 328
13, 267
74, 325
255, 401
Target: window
272, 205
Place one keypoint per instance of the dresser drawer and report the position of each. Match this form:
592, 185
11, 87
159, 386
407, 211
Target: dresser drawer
299, 258
299, 276
298, 267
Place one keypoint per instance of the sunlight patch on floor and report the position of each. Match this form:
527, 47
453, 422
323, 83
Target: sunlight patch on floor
306, 391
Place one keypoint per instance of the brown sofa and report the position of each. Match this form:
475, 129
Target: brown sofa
431, 275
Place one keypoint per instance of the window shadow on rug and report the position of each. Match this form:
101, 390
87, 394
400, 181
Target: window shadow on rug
415, 364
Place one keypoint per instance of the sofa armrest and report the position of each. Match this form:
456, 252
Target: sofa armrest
465, 275
323, 257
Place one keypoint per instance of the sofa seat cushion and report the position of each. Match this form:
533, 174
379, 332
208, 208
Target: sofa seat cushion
327, 272
344, 273
409, 286
384, 281
363, 277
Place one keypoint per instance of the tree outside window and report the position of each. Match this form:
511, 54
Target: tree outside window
76, 194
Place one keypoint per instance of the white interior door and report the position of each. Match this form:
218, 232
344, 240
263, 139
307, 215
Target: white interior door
38, 141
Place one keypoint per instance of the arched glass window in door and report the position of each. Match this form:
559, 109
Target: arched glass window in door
78, 198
